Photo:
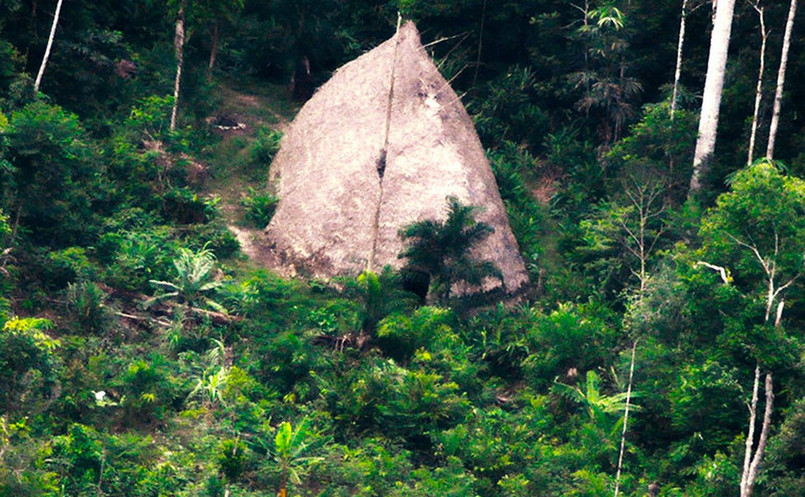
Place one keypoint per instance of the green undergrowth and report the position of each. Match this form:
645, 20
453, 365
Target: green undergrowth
142, 355
239, 163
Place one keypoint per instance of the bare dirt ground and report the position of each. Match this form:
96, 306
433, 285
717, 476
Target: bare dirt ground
242, 114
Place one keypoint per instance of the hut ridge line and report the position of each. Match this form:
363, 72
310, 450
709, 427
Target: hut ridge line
381, 161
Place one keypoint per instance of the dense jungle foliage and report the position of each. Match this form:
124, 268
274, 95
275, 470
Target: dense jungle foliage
142, 354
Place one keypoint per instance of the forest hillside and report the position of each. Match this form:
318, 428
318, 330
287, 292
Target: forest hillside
648, 155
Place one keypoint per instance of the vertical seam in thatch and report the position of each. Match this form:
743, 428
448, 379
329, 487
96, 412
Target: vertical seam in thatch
381, 162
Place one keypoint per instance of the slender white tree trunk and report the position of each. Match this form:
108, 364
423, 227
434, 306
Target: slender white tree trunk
713, 86
680, 44
759, 88
752, 462
49, 45
750, 435
778, 93
625, 421
178, 45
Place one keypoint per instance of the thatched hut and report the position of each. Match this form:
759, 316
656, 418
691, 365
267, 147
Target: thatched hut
380, 145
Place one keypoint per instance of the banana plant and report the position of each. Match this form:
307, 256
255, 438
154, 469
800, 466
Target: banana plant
211, 383
598, 405
291, 446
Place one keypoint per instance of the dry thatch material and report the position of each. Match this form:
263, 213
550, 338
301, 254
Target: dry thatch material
379, 146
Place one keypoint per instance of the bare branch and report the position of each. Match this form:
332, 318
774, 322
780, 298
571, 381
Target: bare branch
629, 232
583, 10
790, 282
764, 33
754, 251
447, 38
633, 251
631, 196
660, 232
721, 270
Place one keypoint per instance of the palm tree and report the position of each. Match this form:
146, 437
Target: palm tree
441, 249
194, 280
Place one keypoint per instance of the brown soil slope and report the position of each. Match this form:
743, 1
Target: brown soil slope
381, 145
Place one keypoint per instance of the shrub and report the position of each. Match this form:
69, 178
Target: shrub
379, 295
186, 207
264, 292
150, 118
384, 397
264, 146
570, 337
214, 235
78, 457
260, 208
231, 458
138, 256
285, 360
400, 335
26, 359
369, 466
54, 177
512, 166
85, 305
149, 390
67, 265
505, 111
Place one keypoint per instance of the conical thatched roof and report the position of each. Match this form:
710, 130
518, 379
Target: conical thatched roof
388, 110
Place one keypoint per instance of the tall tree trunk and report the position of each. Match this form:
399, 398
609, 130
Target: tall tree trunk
752, 462
216, 33
759, 88
750, 435
778, 93
178, 45
680, 44
713, 86
49, 45
625, 421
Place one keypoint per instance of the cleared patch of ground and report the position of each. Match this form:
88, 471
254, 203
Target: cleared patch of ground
239, 164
